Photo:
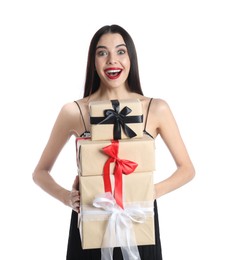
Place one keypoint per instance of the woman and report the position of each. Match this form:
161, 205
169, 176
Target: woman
112, 73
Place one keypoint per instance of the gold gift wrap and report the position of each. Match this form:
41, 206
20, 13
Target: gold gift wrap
91, 158
105, 131
137, 193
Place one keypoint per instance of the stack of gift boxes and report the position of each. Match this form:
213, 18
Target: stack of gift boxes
115, 167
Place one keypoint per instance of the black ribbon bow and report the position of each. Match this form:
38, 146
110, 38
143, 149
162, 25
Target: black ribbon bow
119, 119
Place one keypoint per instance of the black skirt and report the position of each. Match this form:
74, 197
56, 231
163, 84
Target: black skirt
75, 251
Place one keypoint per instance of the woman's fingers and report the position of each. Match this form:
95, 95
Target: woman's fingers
75, 195
75, 200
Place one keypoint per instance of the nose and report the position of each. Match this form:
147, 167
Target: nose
111, 59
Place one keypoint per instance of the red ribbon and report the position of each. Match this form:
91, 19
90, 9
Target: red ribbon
121, 167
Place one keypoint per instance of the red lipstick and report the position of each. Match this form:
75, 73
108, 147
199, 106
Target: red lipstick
113, 73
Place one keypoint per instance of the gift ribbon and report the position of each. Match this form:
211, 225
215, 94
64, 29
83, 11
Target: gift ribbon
119, 230
119, 119
122, 166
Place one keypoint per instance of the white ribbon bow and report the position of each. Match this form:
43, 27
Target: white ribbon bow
119, 231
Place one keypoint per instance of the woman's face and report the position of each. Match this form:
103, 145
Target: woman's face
112, 60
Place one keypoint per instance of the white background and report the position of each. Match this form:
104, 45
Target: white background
182, 58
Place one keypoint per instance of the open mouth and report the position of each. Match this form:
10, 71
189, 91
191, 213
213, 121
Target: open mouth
113, 73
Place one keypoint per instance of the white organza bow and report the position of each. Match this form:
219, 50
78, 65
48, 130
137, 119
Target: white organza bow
119, 231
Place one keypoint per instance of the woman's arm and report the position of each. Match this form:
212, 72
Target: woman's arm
167, 127
62, 130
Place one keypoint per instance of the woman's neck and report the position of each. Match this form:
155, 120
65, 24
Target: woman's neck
104, 93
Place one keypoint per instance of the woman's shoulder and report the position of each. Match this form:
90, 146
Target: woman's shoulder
156, 104
71, 110
73, 106
71, 115
160, 104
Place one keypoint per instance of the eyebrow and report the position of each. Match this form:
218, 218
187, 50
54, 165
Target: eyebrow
104, 47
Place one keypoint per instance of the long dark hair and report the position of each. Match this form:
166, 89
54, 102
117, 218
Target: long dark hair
92, 81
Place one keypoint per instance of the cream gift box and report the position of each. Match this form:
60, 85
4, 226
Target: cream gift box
116, 119
91, 158
137, 194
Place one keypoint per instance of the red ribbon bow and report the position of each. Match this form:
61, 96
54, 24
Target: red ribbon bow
121, 167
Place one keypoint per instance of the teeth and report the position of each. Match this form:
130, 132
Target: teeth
113, 71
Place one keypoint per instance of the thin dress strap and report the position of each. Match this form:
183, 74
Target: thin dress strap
83, 121
146, 120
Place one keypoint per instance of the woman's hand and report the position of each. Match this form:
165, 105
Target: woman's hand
74, 197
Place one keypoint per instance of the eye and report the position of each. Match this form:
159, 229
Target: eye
120, 52
101, 53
